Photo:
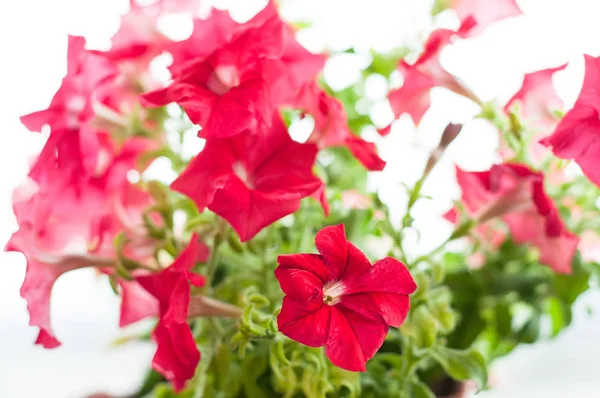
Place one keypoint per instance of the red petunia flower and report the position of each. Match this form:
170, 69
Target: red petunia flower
219, 29
577, 136
229, 91
413, 97
516, 194
331, 126
476, 15
337, 299
176, 354
251, 180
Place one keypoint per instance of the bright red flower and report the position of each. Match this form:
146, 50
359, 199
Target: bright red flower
176, 354
413, 97
251, 180
516, 193
337, 299
216, 31
331, 126
229, 91
476, 15
538, 99
577, 136
219, 29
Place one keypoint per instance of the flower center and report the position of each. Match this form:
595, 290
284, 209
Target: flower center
243, 174
223, 79
332, 292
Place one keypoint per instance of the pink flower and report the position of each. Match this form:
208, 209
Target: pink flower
331, 126
176, 354
577, 136
538, 99
71, 145
337, 299
413, 97
66, 225
476, 15
516, 194
48, 223
251, 180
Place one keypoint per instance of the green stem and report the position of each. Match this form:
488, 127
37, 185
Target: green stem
460, 231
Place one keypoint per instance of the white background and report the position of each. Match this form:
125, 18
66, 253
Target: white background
33, 38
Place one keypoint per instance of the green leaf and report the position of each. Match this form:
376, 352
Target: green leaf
252, 368
503, 319
426, 325
462, 365
530, 332
560, 314
418, 389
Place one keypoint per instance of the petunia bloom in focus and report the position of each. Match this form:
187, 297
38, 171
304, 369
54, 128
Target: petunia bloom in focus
577, 136
252, 180
339, 300
516, 194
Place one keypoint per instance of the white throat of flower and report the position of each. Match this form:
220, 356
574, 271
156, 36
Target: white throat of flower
332, 292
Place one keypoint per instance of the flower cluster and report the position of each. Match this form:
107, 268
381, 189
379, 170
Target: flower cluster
213, 258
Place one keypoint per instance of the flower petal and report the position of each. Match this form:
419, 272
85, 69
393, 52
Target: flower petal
176, 354
354, 339
385, 276
393, 308
136, 303
307, 323
332, 244
313, 263
299, 285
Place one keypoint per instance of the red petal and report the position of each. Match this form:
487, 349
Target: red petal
357, 263
393, 308
365, 152
176, 354
195, 251
332, 244
307, 323
353, 339
578, 137
46, 340
237, 110
413, 97
206, 173
312, 263
136, 303
555, 251
36, 290
385, 276
249, 211
300, 285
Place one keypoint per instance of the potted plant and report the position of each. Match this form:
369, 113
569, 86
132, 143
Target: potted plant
269, 267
